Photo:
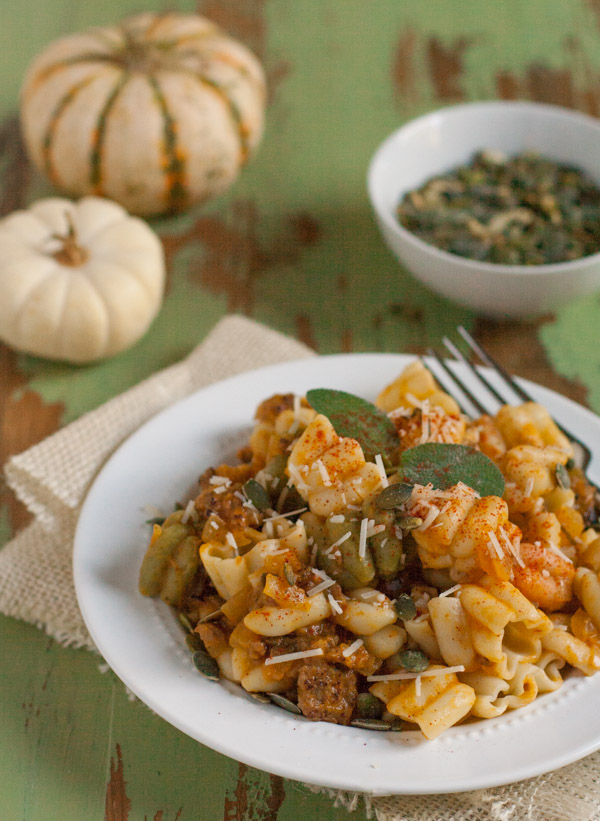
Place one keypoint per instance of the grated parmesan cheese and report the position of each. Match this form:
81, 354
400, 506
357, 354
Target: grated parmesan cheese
285, 515
188, 513
555, 549
282, 497
230, 539
493, 542
323, 471
219, 480
352, 648
434, 512
319, 588
458, 668
337, 519
374, 529
362, 542
381, 469
449, 591
369, 594
410, 397
335, 606
514, 551
301, 654
340, 541
400, 413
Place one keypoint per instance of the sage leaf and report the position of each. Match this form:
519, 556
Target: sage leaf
445, 465
358, 419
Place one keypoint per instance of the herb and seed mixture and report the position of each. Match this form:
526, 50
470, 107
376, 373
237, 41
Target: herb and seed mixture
521, 210
392, 566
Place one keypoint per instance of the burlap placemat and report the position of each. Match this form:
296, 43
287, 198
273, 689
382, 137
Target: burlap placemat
36, 581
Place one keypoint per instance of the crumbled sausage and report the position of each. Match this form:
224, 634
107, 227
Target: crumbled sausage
270, 408
226, 505
326, 693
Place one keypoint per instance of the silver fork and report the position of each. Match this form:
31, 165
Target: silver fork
582, 453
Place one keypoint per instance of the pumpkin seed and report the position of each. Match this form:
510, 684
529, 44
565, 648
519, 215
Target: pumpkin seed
206, 665
262, 697
410, 522
285, 703
368, 706
210, 616
256, 494
520, 210
562, 476
289, 573
185, 622
405, 607
276, 466
396, 726
194, 642
394, 496
371, 724
415, 661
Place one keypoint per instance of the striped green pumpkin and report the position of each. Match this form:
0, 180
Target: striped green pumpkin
157, 113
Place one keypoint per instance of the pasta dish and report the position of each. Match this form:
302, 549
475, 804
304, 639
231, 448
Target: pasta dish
391, 566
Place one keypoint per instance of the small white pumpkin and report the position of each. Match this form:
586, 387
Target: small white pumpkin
78, 281
156, 113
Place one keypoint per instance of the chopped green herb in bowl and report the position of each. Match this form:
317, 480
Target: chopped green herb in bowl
519, 210
493, 205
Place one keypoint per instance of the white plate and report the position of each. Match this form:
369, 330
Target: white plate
142, 642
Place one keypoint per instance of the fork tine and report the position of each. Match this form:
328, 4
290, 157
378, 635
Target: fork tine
473, 399
462, 358
492, 363
584, 452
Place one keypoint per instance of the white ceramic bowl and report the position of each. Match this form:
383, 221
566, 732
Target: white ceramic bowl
449, 137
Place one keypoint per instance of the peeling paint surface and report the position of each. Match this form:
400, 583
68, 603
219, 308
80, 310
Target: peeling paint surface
293, 244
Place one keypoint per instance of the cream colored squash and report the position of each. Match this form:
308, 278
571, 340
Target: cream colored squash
156, 113
78, 281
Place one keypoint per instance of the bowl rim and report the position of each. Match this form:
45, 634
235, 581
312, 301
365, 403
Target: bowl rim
481, 267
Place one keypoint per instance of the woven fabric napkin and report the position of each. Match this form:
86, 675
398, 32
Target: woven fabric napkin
36, 581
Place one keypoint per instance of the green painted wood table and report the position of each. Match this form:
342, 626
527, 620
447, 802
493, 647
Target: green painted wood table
292, 244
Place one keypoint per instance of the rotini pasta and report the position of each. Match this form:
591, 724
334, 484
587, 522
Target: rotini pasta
317, 573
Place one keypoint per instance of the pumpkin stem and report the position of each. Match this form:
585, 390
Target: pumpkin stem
70, 253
